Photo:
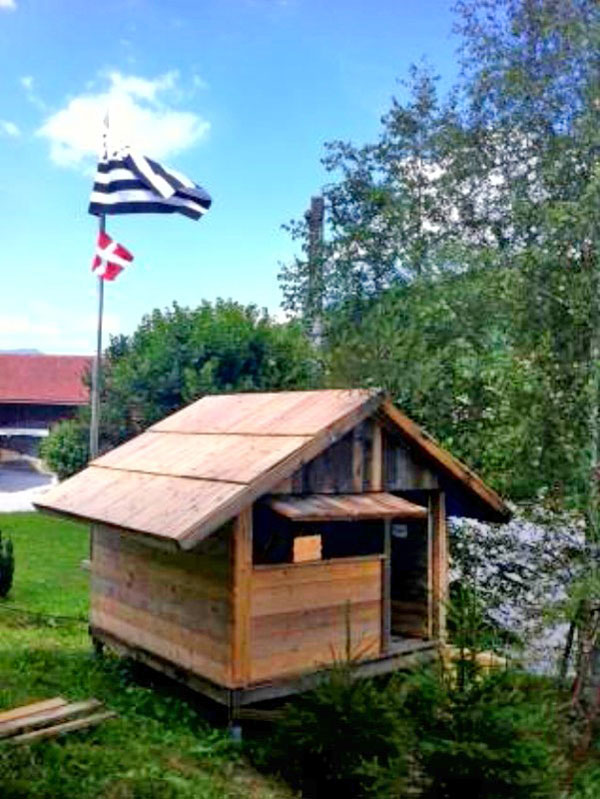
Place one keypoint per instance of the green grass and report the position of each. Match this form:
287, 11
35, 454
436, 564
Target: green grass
159, 746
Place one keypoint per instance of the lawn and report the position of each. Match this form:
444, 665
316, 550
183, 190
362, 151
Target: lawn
161, 744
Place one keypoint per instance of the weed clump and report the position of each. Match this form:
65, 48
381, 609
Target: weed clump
7, 565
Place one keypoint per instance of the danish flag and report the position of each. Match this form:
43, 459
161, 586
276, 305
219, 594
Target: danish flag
110, 258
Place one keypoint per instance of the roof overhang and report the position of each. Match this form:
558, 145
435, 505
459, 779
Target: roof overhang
345, 507
491, 507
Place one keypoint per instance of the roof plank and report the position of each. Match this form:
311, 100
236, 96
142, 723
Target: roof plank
157, 505
302, 413
229, 458
345, 507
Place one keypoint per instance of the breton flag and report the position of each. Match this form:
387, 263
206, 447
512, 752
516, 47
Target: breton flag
110, 258
130, 183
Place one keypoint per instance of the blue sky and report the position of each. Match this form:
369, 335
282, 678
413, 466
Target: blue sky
240, 95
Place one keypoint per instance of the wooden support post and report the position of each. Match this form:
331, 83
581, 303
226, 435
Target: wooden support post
376, 481
430, 567
386, 594
242, 573
438, 564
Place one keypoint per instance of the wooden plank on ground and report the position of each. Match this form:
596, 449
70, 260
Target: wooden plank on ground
47, 717
34, 707
61, 729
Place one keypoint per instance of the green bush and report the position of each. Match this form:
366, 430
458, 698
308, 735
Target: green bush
332, 740
586, 784
7, 566
492, 736
66, 450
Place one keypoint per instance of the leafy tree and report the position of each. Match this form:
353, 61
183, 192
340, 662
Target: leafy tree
176, 356
495, 189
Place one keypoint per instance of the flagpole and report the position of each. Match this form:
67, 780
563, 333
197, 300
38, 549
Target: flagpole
96, 370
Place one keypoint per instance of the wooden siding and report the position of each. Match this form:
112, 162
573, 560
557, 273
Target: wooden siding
365, 459
299, 615
174, 605
491, 507
346, 467
402, 470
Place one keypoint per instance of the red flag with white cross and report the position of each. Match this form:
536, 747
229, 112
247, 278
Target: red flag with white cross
110, 258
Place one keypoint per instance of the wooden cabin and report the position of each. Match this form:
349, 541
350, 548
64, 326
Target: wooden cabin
246, 542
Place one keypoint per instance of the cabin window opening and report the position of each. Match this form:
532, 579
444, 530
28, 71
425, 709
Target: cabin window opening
279, 540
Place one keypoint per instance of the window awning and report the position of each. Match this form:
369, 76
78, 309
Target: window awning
345, 507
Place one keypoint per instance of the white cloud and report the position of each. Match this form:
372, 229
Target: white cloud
27, 81
9, 128
141, 115
8, 5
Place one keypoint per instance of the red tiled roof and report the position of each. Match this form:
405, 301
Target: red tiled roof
45, 379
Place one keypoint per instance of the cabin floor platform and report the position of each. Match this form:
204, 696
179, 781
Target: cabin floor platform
403, 654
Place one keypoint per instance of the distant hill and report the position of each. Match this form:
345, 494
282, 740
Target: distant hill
21, 352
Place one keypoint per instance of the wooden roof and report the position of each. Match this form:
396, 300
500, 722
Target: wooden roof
345, 507
195, 470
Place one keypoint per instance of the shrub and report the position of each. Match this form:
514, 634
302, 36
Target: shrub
495, 736
7, 566
334, 740
66, 450
491, 736
586, 784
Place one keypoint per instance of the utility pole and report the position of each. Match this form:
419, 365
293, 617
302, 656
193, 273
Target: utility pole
315, 219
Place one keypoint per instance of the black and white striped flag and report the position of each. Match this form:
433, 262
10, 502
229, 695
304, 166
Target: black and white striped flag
129, 183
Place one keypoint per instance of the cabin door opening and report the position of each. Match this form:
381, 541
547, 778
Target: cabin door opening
407, 572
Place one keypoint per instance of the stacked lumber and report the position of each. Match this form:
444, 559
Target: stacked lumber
50, 718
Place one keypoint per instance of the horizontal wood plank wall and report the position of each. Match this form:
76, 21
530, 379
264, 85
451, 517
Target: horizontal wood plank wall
175, 605
299, 615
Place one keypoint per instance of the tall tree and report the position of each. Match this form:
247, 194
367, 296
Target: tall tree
500, 185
